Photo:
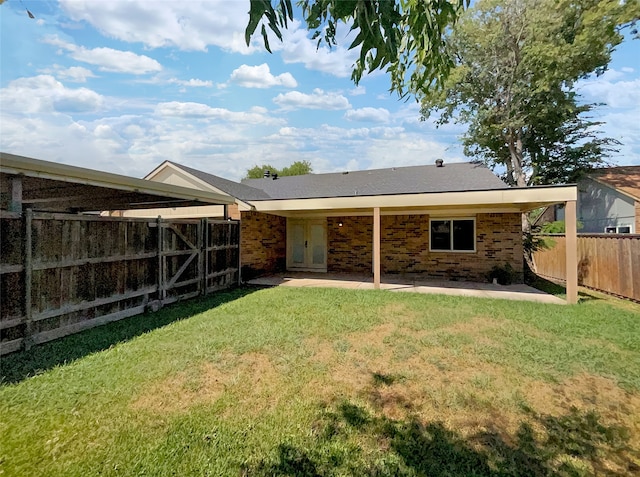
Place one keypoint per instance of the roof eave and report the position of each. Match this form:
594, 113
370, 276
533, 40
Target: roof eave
521, 199
20, 165
615, 188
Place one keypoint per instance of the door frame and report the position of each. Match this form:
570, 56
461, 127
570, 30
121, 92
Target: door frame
307, 234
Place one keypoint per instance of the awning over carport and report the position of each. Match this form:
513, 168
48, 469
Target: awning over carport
27, 183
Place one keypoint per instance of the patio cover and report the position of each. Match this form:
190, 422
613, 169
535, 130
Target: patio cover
27, 183
502, 200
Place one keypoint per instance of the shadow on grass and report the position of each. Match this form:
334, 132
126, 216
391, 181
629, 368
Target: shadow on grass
18, 366
552, 288
574, 444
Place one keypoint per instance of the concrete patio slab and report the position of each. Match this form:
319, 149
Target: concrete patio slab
400, 284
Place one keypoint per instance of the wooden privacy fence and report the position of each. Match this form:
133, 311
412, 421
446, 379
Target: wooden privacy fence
61, 273
606, 262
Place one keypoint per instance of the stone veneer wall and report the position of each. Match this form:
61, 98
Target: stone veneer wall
405, 247
262, 244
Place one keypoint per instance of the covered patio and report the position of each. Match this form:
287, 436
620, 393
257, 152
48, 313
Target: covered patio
404, 284
497, 211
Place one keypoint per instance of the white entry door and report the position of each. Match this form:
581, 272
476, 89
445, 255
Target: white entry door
307, 244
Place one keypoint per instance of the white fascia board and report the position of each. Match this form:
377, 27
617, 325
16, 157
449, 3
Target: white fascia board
204, 185
156, 171
522, 198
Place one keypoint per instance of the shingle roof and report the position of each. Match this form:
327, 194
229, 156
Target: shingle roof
625, 179
235, 189
455, 177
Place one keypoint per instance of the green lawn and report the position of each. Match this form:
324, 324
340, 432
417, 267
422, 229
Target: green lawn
324, 382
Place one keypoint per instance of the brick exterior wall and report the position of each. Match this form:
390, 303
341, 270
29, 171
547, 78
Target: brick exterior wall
262, 244
404, 245
349, 248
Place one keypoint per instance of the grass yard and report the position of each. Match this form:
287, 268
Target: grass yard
328, 382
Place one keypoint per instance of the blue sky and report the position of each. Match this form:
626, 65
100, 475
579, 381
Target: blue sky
122, 85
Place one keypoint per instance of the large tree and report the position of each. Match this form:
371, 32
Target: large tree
297, 168
405, 38
517, 62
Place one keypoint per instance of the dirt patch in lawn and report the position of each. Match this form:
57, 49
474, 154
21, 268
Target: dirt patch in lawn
454, 386
183, 390
251, 377
587, 392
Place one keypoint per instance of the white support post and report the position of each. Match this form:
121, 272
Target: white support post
376, 248
571, 235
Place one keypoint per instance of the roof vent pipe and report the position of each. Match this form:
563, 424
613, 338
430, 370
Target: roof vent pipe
439, 163
267, 173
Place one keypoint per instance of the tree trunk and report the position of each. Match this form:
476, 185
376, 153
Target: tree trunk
514, 141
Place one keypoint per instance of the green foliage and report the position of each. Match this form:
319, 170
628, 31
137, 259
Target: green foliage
555, 227
405, 38
516, 65
298, 168
504, 274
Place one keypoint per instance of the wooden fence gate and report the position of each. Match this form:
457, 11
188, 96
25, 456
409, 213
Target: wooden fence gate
63, 273
197, 257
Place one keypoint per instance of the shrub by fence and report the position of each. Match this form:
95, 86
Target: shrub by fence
606, 262
62, 273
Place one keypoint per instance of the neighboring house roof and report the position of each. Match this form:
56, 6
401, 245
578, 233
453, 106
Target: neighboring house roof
235, 189
459, 177
625, 179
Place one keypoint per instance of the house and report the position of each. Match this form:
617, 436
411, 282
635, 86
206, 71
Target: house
451, 221
609, 201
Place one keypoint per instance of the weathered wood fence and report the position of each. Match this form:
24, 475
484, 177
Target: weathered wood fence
606, 262
61, 273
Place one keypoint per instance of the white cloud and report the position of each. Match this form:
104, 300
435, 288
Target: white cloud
76, 74
317, 100
193, 83
410, 150
43, 93
331, 148
188, 25
196, 24
260, 77
358, 91
198, 110
368, 115
616, 94
296, 47
108, 59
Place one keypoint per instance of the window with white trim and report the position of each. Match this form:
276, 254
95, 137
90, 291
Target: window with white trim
452, 235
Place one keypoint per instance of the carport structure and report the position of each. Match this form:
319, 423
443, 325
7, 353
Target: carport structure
65, 268
44, 186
